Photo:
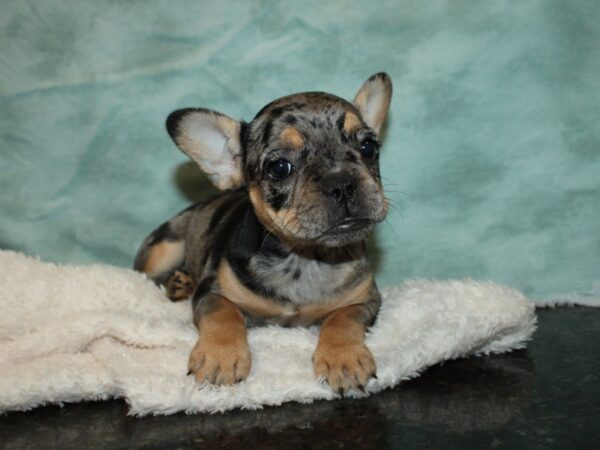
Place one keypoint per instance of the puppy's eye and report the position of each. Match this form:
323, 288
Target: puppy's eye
279, 169
369, 148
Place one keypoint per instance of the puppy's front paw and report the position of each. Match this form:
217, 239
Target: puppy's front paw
219, 364
344, 367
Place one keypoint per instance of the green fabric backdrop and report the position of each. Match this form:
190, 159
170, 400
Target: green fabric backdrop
492, 153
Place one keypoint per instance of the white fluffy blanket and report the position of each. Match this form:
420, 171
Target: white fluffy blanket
71, 333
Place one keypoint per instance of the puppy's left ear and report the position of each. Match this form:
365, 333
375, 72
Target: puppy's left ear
212, 140
373, 100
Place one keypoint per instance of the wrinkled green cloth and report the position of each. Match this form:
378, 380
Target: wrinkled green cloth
492, 152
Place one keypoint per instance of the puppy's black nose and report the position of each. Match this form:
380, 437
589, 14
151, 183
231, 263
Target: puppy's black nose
340, 186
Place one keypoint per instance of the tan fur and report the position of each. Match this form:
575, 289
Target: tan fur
232, 132
164, 255
231, 288
283, 223
386, 204
221, 355
361, 98
292, 137
351, 122
341, 357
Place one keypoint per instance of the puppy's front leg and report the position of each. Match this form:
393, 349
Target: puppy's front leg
341, 357
221, 355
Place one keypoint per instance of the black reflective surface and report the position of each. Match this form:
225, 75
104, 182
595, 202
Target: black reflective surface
545, 397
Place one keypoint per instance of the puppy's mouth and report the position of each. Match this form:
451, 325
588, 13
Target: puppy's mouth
349, 225
351, 229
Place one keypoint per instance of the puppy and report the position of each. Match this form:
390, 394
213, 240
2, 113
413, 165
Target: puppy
285, 242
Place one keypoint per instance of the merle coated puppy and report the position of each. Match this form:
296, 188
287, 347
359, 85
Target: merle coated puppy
285, 242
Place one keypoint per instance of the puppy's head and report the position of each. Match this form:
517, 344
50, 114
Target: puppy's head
310, 161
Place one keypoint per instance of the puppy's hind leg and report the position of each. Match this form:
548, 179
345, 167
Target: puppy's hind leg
180, 286
161, 255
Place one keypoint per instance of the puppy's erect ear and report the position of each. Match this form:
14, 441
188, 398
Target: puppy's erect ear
373, 100
212, 140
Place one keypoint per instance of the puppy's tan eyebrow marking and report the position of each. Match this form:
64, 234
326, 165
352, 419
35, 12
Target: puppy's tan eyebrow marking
292, 137
351, 122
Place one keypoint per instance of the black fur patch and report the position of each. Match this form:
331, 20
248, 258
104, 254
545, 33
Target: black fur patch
223, 235
378, 75
203, 288
277, 111
267, 132
340, 122
221, 211
278, 201
206, 305
162, 233
316, 123
290, 119
244, 136
351, 156
340, 125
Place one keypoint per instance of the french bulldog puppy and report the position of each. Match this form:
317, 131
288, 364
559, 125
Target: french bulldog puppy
285, 242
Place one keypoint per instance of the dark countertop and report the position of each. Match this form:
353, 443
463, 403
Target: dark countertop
547, 396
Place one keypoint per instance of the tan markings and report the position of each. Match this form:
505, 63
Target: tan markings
283, 223
386, 205
292, 137
351, 122
341, 357
260, 207
313, 312
221, 355
164, 257
231, 288
361, 99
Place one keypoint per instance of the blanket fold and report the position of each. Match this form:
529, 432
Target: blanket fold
72, 333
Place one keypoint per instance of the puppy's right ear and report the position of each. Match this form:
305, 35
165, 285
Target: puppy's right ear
212, 140
373, 100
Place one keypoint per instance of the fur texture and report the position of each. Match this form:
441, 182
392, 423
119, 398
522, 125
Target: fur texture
71, 333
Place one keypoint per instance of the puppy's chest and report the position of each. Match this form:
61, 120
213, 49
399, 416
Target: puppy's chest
301, 280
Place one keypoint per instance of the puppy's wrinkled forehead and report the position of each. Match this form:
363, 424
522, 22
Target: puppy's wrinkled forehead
301, 121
